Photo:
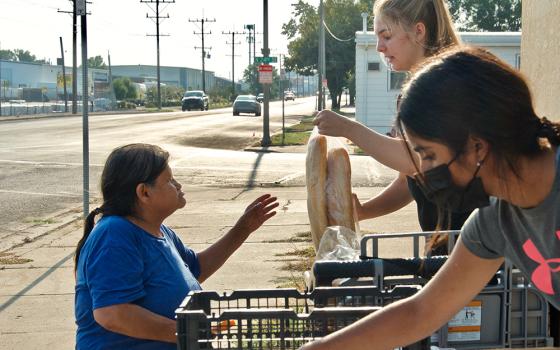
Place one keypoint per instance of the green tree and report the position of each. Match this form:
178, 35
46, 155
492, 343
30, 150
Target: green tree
342, 19
486, 15
24, 56
124, 89
96, 62
219, 93
7, 55
170, 95
250, 77
21, 56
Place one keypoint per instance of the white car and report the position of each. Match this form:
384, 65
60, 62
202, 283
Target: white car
246, 104
288, 95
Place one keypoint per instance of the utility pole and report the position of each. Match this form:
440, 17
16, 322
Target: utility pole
251, 39
64, 77
282, 96
254, 40
157, 22
112, 90
233, 43
74, 56
265, 142
297, 84
203, 48
80, 6
321, 60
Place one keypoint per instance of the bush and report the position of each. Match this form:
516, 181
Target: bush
126, 105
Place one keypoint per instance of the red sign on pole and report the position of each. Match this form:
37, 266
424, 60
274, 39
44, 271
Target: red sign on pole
265, 74
324, 82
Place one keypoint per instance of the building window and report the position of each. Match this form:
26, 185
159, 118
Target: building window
396, 80
374, 66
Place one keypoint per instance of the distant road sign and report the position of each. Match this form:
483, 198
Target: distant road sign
272, 59
265, 74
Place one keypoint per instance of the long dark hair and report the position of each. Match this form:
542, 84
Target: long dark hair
469, 91
125, 168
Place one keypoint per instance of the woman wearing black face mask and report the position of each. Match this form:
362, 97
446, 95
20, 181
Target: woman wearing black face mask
438, 187
469, 122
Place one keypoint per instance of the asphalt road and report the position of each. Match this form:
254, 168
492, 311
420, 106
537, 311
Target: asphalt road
41, 168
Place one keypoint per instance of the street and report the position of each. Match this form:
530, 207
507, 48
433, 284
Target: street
41, 159
41, 174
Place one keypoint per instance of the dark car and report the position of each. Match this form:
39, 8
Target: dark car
246, 104
194, 100
260, 97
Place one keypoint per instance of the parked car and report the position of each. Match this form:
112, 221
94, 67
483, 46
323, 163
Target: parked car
194, 100
102, 104
260, 97
288, 95
246, 104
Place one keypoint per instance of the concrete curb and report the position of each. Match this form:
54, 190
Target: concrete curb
29, 233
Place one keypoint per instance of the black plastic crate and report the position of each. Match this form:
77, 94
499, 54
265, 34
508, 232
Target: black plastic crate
513, 313
276, 318
528, 327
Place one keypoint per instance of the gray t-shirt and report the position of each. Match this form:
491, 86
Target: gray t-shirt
528, 238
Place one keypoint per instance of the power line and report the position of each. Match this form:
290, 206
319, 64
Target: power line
334, 36
233, 43
157, 35
203, 48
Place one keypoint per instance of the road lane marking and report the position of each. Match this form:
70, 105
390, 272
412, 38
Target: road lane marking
44, 163
67, 195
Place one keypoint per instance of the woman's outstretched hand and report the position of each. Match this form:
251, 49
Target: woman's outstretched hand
332, 124
256, 214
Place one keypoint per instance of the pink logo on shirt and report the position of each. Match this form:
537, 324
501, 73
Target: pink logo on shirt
542, 276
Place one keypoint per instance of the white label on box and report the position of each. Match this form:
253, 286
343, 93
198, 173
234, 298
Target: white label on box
465, 325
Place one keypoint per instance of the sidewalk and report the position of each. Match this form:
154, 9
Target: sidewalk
36, 272
37, 295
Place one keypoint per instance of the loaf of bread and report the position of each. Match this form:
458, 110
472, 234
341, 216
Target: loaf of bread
339, 189
316, 178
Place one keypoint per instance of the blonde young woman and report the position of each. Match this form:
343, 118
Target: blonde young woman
408, 31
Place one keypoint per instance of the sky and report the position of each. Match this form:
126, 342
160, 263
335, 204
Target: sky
120, 27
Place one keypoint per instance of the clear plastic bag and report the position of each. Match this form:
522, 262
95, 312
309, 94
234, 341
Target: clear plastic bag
339, 243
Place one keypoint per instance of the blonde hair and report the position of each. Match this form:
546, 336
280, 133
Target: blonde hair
434, 14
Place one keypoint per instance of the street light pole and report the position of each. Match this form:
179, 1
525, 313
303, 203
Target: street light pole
266, 87
64, 77
282, 94
81, 11
74, 59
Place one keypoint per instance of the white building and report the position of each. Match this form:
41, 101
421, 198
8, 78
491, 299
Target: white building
16, 76
377, 88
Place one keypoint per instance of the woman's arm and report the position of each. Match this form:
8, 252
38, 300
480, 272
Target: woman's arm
404, 322
392, 198
388, 151
136, 321
213, 257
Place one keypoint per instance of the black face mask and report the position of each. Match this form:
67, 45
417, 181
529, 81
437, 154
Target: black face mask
438, 187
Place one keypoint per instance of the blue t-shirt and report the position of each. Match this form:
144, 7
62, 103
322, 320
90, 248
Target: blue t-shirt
121, 263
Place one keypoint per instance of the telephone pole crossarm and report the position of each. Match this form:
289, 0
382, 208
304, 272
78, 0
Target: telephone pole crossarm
233, 43
157, 21
203, 48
